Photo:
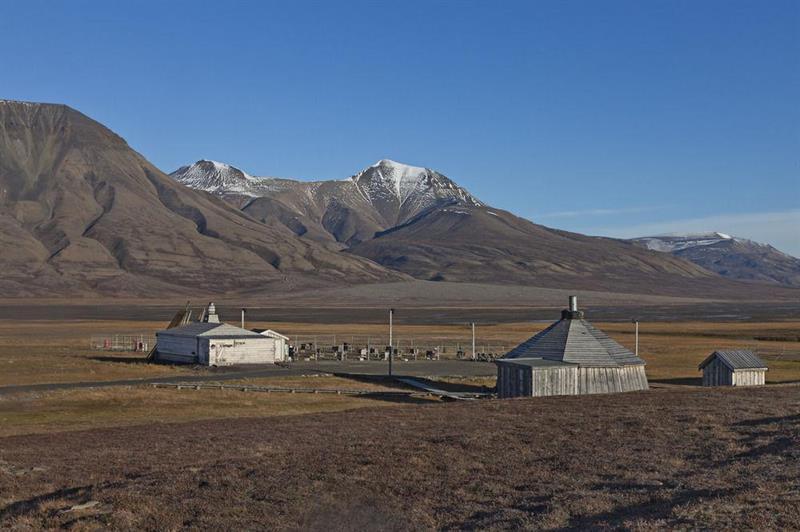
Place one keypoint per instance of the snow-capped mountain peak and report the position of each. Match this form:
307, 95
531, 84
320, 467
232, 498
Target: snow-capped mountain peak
389, 180
216, 177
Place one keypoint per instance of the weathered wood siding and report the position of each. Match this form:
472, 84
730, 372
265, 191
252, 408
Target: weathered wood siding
522, 381
554, 381
513, 381
717, 374
749, 377
611, 380
225, 352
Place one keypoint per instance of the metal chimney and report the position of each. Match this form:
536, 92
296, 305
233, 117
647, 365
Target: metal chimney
572, 313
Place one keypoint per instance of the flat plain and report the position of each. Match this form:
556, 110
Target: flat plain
123, 454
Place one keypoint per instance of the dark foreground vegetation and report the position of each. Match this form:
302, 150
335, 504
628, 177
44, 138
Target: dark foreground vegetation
675, 457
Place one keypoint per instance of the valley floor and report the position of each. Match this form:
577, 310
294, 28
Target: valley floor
132, 456
679, 457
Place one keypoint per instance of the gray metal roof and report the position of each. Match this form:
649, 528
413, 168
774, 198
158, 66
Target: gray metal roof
738, 359
209, 330
575, 341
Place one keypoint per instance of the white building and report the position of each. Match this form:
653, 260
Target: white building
281, 342
218, 344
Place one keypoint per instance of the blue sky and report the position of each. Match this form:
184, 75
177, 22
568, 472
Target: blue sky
619, 118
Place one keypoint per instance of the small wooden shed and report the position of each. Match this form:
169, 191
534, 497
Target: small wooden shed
570, 357
733, 368
217, 344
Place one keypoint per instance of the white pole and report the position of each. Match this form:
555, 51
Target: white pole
242, 318
391, 338
637, 337
473, 340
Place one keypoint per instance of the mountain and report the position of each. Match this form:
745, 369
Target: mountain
729, 256
418, 221
465, 243
81, 212
337, 213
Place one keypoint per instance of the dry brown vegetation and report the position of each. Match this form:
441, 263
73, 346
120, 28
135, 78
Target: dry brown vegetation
58, 351
65, 410
669, 458
677, 456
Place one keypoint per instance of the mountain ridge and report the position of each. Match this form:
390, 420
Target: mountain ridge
730, 256
450, 235
83, 213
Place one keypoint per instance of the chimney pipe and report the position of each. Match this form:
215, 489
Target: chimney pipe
573, 303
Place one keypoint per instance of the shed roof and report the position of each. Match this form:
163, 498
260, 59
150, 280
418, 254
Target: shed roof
738, 359
271, 334
209, 330
574, 340
534, 362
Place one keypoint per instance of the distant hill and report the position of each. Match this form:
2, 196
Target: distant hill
729, 256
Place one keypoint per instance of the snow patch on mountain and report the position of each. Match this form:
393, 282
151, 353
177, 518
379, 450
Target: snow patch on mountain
389, 180
671, 242
222, 178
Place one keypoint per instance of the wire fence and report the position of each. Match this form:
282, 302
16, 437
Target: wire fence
363, 347
122, 342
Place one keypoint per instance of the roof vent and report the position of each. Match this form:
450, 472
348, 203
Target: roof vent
211, 314
572, 313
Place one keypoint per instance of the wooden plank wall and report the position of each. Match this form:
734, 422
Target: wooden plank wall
554, 381
717, 374
611, 380
749, 377
518, 381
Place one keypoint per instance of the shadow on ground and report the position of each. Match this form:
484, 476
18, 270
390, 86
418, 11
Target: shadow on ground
680, 381
121, 359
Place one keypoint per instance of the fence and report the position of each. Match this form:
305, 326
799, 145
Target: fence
122, 342
346, 346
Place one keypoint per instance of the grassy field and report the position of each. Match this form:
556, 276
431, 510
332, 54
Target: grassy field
65, 410
33, 352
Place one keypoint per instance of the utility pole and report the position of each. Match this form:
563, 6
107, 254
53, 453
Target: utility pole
391, 339
636, 326
473, 340
242, 317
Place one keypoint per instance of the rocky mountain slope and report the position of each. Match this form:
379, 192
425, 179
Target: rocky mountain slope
729, 256
420, 222
81, 212
338, 213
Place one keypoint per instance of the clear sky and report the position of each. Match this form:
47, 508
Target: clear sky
615, 117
